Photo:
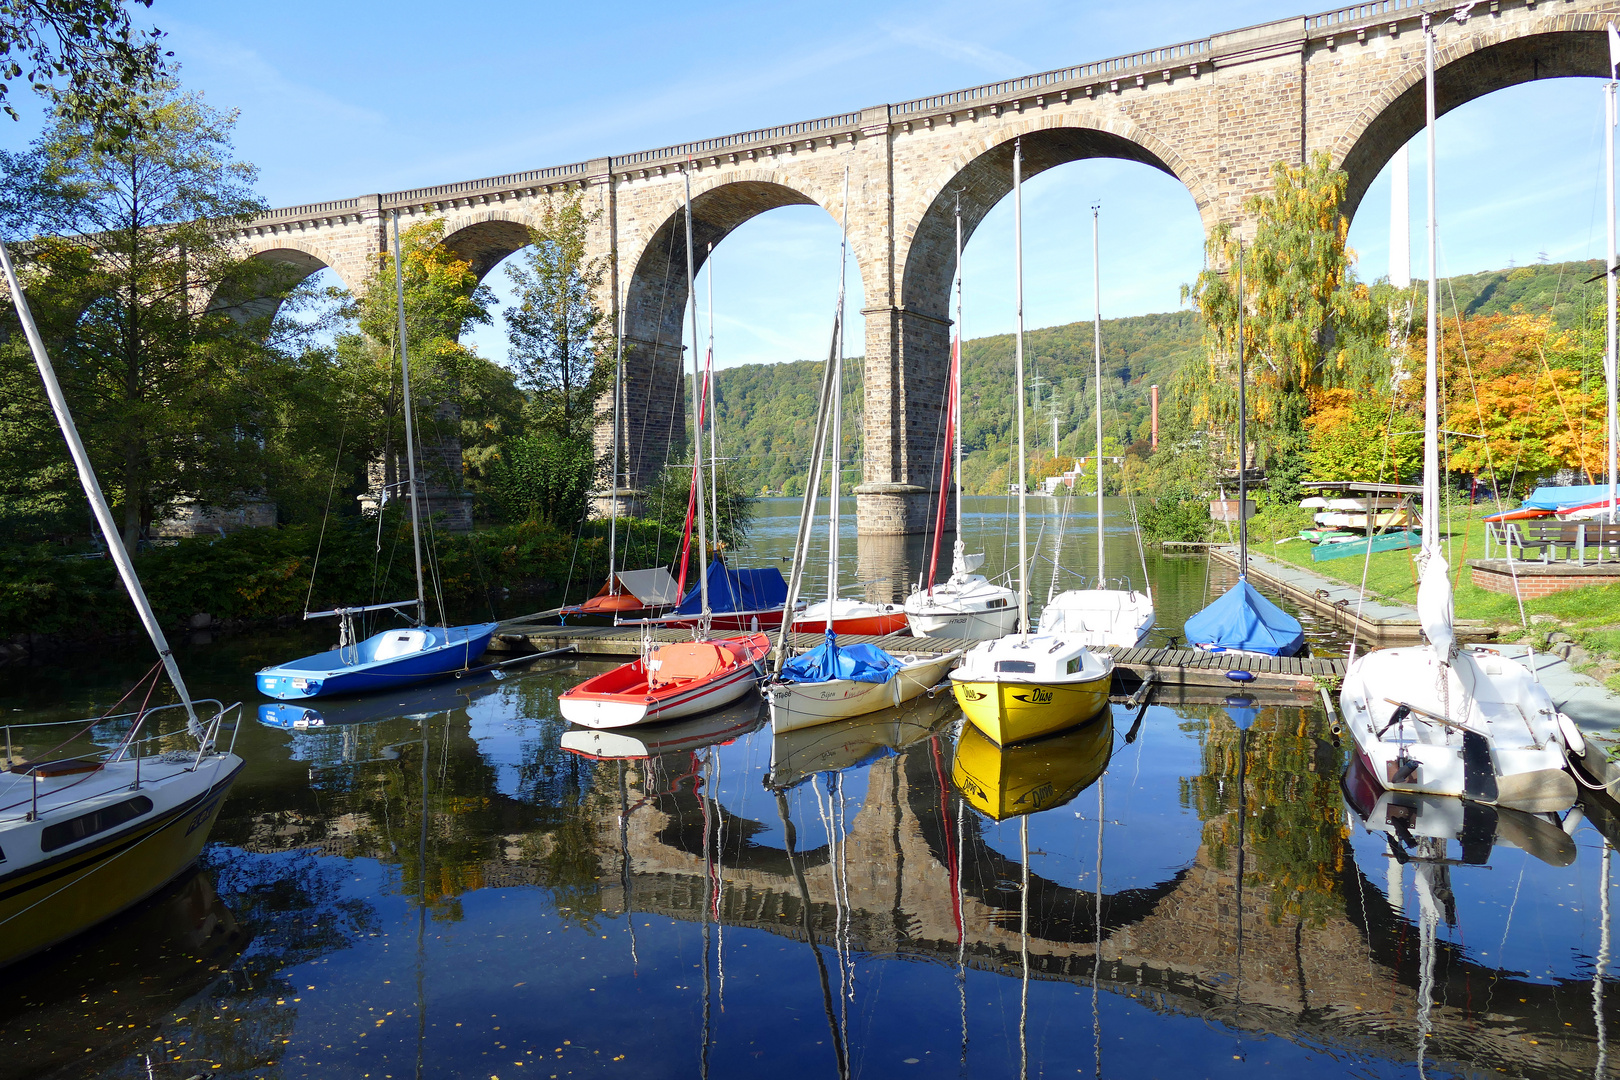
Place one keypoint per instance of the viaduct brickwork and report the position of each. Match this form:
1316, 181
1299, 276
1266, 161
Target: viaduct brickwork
1215, 113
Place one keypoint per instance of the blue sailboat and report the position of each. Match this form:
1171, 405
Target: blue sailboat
1242, 620
392, 658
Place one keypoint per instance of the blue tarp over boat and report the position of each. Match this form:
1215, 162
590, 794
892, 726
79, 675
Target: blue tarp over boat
1244, 620
1556, 498
859, 663
737, 590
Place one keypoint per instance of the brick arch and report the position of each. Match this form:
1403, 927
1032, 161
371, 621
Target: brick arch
1485, 60
487, 237
925, 247
273, 268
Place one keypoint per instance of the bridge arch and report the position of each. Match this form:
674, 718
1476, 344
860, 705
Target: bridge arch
654, 285
487, 237
274, 267
983, 177
1489, 59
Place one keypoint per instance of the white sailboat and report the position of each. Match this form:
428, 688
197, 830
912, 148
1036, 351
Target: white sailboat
82, 837
1028, 685
1444, 719
832, 681
1101, 616
968, 605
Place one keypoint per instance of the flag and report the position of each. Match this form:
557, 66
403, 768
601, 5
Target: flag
1614, 52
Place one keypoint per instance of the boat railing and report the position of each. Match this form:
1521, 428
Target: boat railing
131, 745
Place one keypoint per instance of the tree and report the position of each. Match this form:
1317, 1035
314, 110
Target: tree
175, 398
1358, 437
443, 299
87, 44
1307, 321
559, 342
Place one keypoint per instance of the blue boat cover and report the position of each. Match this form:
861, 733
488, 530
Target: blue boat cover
737, 590
1243, 619
1556, 498
858, 663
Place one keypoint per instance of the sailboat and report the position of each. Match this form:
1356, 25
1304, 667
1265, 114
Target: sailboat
1440, 718
1242, 620
87, 835
1101, 616
834, 682
396, 657
688, 677
1028, 685
967, 606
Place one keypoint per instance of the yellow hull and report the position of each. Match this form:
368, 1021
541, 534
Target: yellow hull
1011, 781
1011, 712
51, 901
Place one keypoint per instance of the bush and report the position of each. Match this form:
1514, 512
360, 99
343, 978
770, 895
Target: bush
1177, 513
543, 477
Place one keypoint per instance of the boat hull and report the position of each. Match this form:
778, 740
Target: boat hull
801, 705
1013, 712
892, 622
47, 902
623, 698
325, 675
964, 625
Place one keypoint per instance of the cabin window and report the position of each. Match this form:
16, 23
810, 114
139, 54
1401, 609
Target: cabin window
1074, 666
1016, 667
993, 604
73, 830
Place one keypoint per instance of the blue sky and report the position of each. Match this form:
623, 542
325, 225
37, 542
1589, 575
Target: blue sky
341, 99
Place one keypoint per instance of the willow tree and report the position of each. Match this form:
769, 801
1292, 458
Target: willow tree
1307, 321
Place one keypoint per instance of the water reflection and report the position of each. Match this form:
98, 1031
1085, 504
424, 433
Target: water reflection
468, 885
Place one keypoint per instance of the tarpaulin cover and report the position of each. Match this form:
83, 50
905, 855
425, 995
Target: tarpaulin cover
1243, 619
737, 590
858, 663
1556, 498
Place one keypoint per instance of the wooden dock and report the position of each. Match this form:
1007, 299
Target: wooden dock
1170, 667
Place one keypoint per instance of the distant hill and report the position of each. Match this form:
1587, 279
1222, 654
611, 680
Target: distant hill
767, 411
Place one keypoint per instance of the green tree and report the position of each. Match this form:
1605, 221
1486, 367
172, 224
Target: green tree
560, 352
1307, 321
75, 51
176, 398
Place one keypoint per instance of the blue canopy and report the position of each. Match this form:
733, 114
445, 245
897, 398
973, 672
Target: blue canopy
1243, 619
1556, 498
859, 663
737, 590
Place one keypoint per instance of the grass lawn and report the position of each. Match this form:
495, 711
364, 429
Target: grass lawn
1593, 611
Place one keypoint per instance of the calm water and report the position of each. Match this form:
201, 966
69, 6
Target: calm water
444, 886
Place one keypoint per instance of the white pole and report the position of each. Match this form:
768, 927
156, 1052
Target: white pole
618, 392
1431, 378
92, 489
1609, 258
714, 412
697, 414
410, 438
1096, 348
961, 545
837, 434
1018, 386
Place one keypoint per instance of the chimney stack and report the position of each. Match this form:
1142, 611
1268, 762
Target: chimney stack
1153, 391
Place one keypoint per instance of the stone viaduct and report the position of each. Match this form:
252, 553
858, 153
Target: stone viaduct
1215, 113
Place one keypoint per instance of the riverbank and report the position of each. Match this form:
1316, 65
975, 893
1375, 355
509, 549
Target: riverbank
1580, 625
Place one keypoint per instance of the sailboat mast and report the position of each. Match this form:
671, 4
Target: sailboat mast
1243, 432
714, 410
956, 389
697, 411
92, 488
1018, 385
613, 477
1431, 378
1609, 357
837, 433
1096, 349
410, 438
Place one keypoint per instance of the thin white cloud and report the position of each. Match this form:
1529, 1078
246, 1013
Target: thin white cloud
993, 62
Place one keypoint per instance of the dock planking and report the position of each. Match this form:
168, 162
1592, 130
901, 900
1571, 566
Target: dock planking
1171, 667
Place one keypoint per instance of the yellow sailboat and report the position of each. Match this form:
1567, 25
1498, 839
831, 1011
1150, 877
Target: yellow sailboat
1006, 782
1029, 685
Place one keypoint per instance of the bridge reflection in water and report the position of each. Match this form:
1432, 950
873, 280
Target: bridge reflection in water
1272, 928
